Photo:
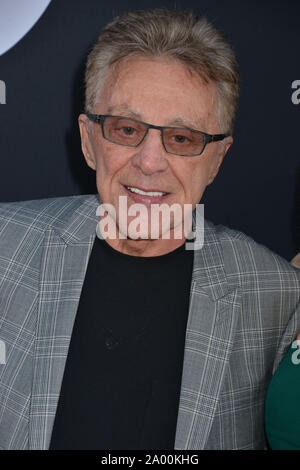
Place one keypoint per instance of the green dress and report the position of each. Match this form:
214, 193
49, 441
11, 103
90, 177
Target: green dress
282, 403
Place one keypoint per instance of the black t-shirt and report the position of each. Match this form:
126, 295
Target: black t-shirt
121, 383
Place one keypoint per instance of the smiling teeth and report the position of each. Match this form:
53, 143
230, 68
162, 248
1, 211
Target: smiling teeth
144, 193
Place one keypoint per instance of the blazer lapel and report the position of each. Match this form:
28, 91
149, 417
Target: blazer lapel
64, 261
209, 338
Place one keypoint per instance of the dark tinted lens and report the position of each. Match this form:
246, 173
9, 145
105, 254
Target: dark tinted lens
124, 131
183, 141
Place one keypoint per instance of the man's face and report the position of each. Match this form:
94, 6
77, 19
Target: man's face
164, 93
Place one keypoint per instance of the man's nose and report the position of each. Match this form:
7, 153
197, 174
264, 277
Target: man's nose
150, 155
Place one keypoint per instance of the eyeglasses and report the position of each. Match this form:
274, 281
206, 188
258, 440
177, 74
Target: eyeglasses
176, 140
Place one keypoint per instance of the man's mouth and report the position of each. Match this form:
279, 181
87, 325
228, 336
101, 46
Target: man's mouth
145, 193
141, 196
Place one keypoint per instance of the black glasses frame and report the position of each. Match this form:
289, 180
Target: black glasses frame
100, 119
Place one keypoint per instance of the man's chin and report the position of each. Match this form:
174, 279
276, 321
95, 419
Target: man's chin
154, 234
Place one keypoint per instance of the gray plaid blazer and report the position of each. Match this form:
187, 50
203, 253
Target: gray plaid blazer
243, 316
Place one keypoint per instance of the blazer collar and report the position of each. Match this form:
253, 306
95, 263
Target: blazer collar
77, 222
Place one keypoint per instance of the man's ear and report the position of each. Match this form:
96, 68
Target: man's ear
86, 145
225, 147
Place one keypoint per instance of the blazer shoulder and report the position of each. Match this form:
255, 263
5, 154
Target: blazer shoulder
40, 214
250, 260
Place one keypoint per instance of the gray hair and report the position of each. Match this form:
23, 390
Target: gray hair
171, 34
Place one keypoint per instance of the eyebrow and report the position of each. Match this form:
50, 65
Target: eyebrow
130, 113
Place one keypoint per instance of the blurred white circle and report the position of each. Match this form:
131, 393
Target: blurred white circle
17, 17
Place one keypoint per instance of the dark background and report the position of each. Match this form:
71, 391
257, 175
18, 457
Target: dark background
257, 189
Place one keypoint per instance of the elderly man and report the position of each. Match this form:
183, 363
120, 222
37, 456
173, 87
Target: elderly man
117, 339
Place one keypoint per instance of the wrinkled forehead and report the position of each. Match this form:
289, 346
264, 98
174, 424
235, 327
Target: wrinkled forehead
160, 89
